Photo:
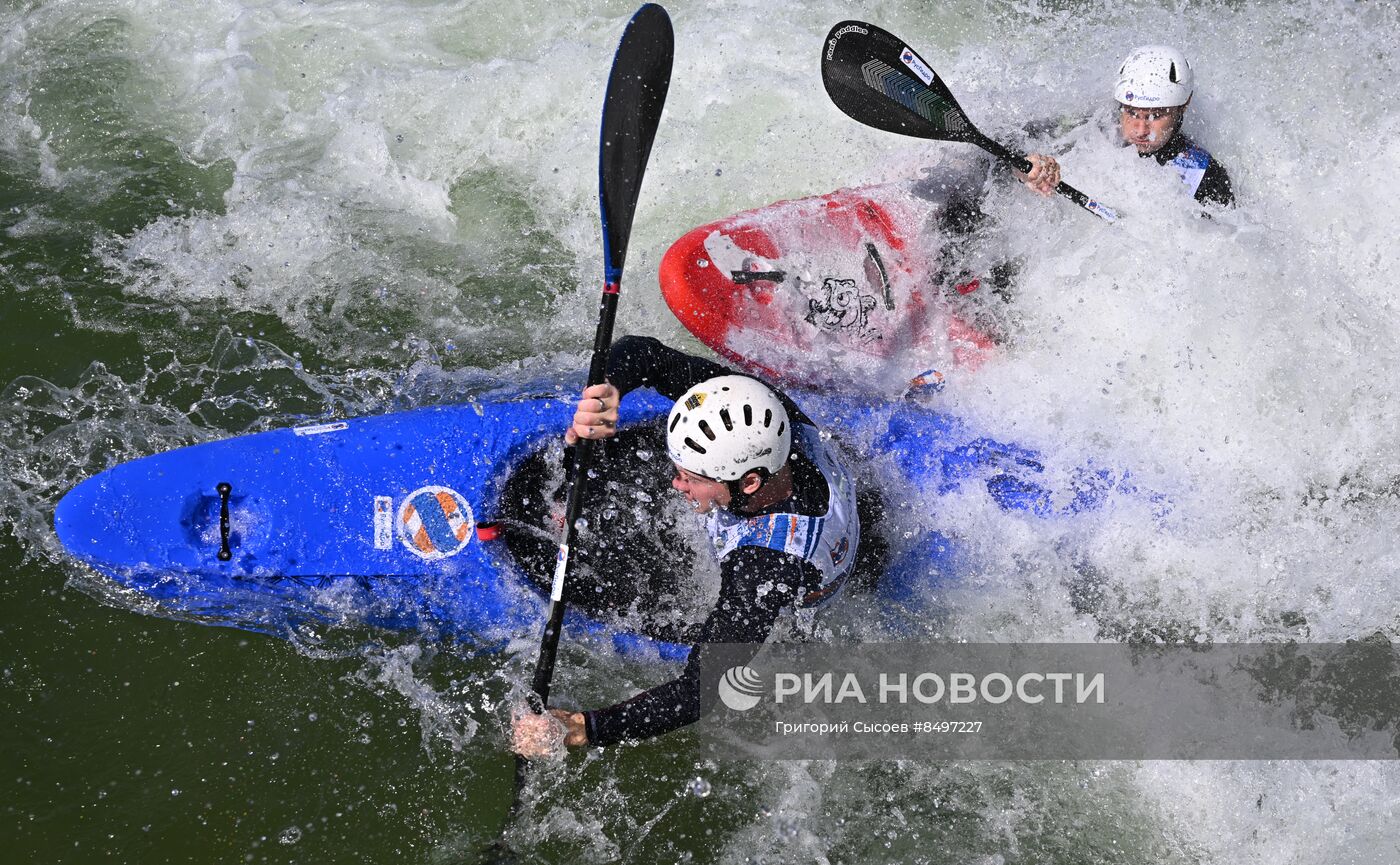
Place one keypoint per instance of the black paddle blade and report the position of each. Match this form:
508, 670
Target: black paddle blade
641, 75
877, 79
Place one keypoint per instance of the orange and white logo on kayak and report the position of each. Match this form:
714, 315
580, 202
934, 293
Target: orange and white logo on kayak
435, 522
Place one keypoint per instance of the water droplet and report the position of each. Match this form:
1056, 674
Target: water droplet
290, 835
700, 788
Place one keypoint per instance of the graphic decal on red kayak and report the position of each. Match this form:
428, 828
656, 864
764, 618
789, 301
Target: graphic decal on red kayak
435, 522
842, 306
843, 289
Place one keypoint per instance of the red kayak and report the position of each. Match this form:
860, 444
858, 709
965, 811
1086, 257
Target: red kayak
837, 288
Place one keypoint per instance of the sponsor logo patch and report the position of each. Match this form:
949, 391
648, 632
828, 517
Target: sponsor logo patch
383, 522
838, 552
919, 67
320, 428
695, 401
435, 522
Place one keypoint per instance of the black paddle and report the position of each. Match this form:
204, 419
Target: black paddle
879, 80
641, 75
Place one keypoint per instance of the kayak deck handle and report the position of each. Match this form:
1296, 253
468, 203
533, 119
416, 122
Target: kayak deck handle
744, 277
225, 489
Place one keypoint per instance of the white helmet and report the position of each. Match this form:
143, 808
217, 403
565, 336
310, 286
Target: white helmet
726, 426
1154, 76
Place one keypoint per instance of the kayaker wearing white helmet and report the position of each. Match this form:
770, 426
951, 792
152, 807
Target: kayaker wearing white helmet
781, 510
1153, 89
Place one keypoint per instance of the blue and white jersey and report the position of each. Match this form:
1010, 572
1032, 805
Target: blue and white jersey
829, 541
1191, 164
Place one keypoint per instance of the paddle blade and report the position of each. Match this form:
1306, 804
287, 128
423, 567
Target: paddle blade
641, 75
877, 79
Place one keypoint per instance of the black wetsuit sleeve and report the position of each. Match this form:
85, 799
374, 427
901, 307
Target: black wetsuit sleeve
644, 361
756, 583
1215, 186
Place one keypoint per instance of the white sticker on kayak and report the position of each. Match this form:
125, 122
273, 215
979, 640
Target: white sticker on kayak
920, 68
435, 522
318, 429
383, 523
561, 567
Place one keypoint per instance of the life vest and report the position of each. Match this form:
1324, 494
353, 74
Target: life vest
829, 541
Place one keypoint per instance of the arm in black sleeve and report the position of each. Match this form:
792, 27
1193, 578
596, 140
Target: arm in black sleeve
643, 361
756, 583
1215, 186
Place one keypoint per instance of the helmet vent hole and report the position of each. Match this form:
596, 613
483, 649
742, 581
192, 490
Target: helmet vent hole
1173, 76
705, 428
694, 445
675, 422
748, 415
767, 418
782, 426
728, 421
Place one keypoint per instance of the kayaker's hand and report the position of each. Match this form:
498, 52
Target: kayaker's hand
1044, 175
595, 417
548, 735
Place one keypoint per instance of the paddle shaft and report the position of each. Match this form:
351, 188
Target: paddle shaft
636, 94
573, 508
637, 85
1023, 165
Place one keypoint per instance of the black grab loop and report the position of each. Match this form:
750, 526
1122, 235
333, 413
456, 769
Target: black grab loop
224, 488
744, 277
873, 255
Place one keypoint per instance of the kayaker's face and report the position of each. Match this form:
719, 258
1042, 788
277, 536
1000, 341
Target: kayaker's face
703, 494
1148, 129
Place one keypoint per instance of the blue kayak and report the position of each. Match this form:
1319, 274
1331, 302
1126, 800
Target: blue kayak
397, 521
